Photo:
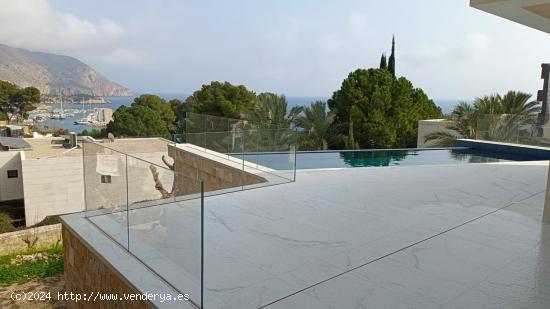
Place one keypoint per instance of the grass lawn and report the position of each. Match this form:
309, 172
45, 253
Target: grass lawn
26, 265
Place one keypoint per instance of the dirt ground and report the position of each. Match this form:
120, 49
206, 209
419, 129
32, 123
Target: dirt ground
51, 284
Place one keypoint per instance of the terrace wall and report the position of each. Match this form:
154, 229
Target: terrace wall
86, 272
216, 175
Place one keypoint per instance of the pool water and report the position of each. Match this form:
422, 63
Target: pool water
366, 158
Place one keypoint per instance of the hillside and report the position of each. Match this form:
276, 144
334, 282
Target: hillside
50, 72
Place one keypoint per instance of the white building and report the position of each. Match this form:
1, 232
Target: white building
49, 177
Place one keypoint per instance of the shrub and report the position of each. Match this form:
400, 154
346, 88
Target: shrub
59, 131
49, 220
5, 223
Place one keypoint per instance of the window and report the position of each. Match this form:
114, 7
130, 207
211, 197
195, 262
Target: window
105, 178
13, 174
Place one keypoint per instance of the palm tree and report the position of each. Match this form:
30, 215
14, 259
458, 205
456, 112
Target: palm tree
493, 117
272, 111
517, 103
463, 123
274, 122
315, 121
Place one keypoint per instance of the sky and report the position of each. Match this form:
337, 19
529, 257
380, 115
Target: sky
296, 48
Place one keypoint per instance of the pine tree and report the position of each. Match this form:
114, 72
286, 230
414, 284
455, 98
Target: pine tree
350, 142
391, 62
383, 62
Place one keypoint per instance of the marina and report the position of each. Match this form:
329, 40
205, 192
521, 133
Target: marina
75, 117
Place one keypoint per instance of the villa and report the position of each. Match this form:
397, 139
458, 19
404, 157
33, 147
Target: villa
238, 218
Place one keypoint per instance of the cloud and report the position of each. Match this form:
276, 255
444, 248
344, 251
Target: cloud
471, 47
477, 45
123, 56
357, 21
348, 31
36, 25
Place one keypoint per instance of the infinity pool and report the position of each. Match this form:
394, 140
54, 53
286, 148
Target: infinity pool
366, 158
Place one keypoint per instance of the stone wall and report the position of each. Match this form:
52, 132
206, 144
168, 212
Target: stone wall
216, 175
43, 236
85, 273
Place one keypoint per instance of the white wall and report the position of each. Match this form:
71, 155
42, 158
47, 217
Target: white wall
426, 127
52, 186
55, 186
139, 187
10, 188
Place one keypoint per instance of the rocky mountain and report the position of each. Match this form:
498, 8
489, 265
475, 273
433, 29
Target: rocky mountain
51, 73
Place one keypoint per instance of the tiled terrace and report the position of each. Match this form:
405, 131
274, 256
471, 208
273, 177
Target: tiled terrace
465, 236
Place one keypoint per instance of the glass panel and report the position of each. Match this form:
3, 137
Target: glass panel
165, 223
222, 164
105, 188
194, 123
151, 210
509, 128
274, 155
198, 123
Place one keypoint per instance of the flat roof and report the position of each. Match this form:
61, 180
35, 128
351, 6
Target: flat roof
52, 146
14, 142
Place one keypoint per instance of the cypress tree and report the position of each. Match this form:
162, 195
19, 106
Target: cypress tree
391, 62
383, 62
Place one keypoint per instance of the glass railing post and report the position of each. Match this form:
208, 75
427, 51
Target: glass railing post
204, 141
84, 150
517, 134
243, 141
202, 245
257, 149
295, 151
127, 203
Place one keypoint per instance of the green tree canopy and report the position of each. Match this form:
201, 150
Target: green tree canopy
383, 62
24, 101
18, 101
137, 120
7, 90
158, 104
178, 108
391, 60
222, 99
375, 110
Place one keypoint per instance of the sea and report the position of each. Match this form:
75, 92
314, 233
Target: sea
115, 102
